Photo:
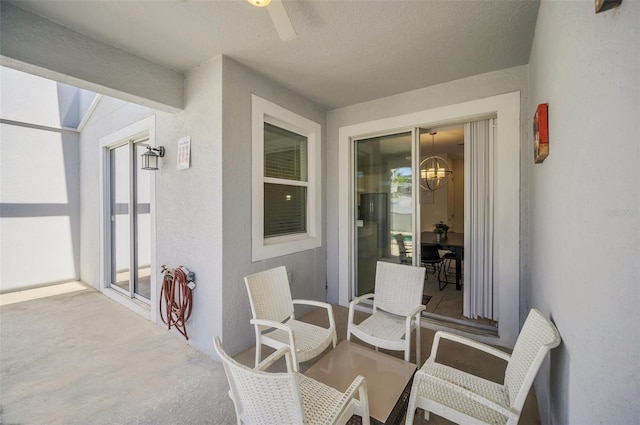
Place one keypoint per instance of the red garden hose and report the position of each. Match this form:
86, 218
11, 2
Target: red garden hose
175, 299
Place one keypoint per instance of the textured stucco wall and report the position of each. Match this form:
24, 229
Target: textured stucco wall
188, 210
585, 210
308, 268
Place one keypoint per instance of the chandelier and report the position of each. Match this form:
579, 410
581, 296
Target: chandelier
434, 170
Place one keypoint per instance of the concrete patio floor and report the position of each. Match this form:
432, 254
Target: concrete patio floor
81, 358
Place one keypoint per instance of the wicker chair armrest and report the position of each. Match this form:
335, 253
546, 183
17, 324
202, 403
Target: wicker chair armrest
272, 324
274, 357
313, 303
327, 306
469, 342
358, 300
359, 384
503, 410
352, 305
414, 313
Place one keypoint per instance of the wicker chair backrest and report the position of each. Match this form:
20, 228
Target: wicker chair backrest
270, 295
398, 288
537, 338
262, 397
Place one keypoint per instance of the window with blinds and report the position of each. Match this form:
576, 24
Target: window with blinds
285, 182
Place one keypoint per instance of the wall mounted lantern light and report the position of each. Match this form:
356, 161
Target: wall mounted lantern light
434, 170
150, 158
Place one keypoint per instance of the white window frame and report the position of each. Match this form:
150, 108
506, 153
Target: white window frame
263, 248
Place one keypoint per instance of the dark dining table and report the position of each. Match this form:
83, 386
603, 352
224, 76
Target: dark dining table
454, 242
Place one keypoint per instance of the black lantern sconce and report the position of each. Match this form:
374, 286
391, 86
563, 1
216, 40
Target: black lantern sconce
150, 158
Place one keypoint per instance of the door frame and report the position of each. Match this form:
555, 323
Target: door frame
506, 108
143, 128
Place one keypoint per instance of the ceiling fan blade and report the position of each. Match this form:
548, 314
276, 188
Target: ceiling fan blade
281, 20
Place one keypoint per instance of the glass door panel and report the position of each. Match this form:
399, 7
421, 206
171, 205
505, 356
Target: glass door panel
383, 205
120, 222
130, 221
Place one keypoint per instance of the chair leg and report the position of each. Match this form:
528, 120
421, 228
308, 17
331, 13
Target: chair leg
447, 264
411, 407
440, 281
418, 341
258, 352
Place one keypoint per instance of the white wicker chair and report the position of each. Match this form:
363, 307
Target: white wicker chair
274, 318
469, 399
261, 397
397, 303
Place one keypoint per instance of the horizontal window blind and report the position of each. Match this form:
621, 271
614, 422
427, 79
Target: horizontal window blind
285, 204
285, 154
285, 209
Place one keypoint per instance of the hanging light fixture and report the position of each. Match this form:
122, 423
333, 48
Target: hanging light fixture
150, 158
434, 170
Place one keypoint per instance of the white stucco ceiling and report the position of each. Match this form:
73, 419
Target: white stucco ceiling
346, 52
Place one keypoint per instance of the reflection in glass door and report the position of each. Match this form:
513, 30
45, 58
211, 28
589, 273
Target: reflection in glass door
119, 213
383, 205
130, 227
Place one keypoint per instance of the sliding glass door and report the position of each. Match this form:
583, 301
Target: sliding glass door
383, 205
129, 226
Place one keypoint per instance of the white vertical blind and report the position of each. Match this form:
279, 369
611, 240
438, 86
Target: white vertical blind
478, 136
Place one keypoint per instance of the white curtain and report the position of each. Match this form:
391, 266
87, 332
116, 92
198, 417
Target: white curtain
479, 291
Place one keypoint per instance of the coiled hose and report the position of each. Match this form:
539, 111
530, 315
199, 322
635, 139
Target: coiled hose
175, 299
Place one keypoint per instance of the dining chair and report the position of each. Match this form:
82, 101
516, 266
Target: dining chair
430, 258
448, 258
465, 398
261, 397
397, 304
274, 318
405, 254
